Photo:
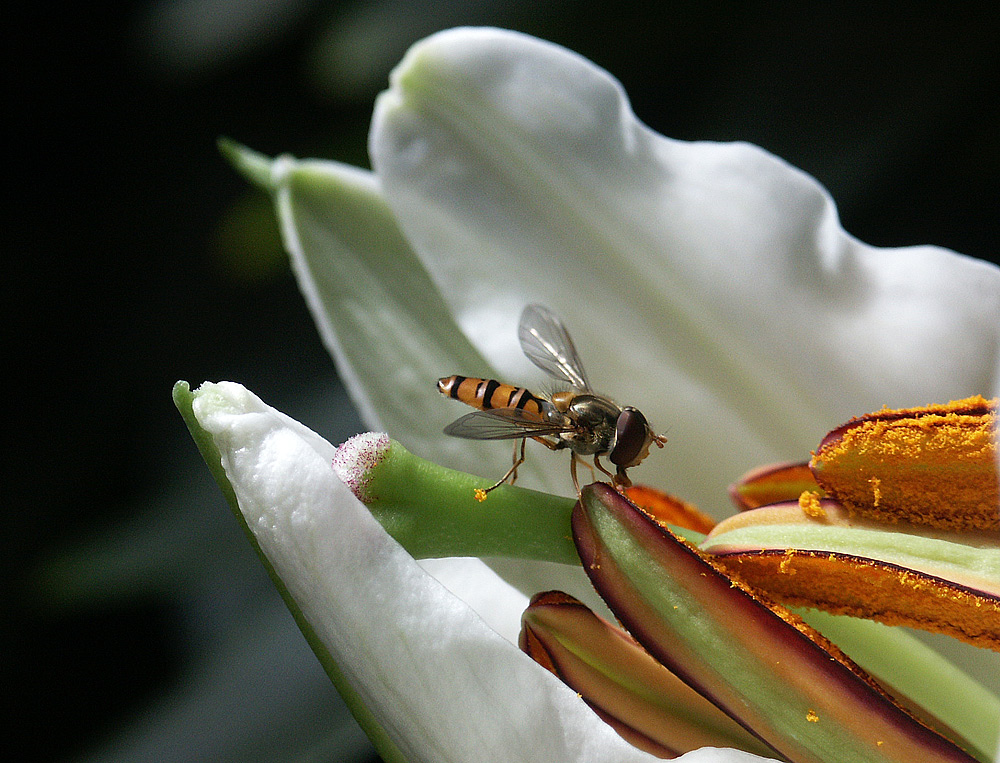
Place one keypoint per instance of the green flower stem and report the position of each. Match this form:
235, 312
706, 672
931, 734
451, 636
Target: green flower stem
432, 511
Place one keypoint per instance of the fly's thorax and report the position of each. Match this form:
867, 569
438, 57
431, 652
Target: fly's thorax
563, 399
594, 419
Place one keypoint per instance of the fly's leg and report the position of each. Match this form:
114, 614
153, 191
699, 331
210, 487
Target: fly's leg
511, 473
557, 445
572, 471
573, 461
616, 480
481, 493
518, 460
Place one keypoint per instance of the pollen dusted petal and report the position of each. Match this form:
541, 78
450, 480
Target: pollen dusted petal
935, 465
849, 585
811, 552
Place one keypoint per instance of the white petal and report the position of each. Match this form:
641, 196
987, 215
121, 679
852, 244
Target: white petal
711, 285
379, 314
444, 686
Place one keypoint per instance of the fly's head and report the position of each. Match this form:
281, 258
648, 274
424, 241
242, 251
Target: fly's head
633, 437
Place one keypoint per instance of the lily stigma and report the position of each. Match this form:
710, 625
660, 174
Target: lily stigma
508, 171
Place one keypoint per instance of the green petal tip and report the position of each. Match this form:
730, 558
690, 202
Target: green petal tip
253, 165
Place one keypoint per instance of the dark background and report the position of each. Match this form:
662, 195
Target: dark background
137, 624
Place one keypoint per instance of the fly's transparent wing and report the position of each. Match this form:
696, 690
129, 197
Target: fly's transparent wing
547, 344
501, 424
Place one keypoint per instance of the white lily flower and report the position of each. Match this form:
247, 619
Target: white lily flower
708, 284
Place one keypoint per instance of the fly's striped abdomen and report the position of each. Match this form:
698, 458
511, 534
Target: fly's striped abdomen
489, 393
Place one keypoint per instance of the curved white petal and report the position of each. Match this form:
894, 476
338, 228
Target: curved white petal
442, 684
377, 311
709, 284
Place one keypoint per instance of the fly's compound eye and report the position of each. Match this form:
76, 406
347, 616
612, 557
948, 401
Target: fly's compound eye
632, 438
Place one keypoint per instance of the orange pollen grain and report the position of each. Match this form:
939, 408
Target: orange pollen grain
809, 502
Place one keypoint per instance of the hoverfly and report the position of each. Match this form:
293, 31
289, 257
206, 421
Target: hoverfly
578, 418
